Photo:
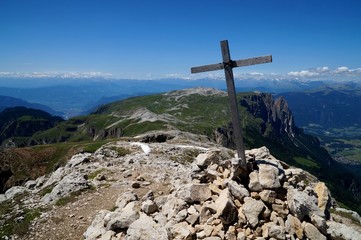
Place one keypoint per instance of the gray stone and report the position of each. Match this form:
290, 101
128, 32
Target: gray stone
172, 206
183, 231
146, 228
252, 209
268, 196
268, 175
195, 192
72, 182
319, 222
149, 207
205, 159
13, 191
312, 232
108, 235
123, 218
341, 231
259, 153
254, 184
294, 226
78, 159
125, 198
30, 184
97, 228
301, 204
355, 215
226, 210
237, 190
271, 230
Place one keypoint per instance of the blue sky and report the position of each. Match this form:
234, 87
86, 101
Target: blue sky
156, 39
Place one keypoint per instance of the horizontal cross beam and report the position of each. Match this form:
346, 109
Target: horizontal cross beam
239, 63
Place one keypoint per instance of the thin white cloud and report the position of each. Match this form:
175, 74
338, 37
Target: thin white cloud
56, 75
304, 73
320, 73
341, 70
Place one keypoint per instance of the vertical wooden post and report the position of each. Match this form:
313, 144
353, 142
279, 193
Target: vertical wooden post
237, 129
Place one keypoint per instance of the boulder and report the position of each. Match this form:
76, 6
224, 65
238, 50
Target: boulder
268, 196
254, 184
194, 192
294, 226
252, 209
125, 198
124, 217
260, 153
72, 182
324, 197
78, 159
149, 207
97, 228
320, 223
13, 191
237, 190
271, 230
268, 175
301, 204
172, 206
203, 160
30, 184
341, 231
226, 210
182, 231
312, 232
145, 228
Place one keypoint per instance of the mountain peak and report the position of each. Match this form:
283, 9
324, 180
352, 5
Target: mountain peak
197, 90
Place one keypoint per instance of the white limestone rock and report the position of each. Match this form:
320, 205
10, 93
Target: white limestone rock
237, 190
145, 228
124, 217
194, 192
252, 209
97, 227
341, 231
312, 232
72, 182
226, 209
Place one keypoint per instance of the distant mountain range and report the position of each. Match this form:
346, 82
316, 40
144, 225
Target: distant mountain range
75, 97
327, 107
10, 102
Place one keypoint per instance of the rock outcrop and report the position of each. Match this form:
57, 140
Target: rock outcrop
266, 204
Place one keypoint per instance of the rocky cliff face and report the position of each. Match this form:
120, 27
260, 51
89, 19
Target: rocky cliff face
273, 112
185, 187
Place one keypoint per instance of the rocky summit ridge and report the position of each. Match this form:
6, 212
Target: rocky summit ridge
176, 185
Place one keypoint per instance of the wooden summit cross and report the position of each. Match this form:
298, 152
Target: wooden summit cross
228, 65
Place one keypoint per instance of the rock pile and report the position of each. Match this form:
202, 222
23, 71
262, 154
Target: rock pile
271, 201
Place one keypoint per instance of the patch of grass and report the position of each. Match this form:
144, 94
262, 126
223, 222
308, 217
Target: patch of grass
121, 151
113, 208
68, 199
306, 162
345, 215
93, 146
92, 175
15, 225
46, 190
188, 156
